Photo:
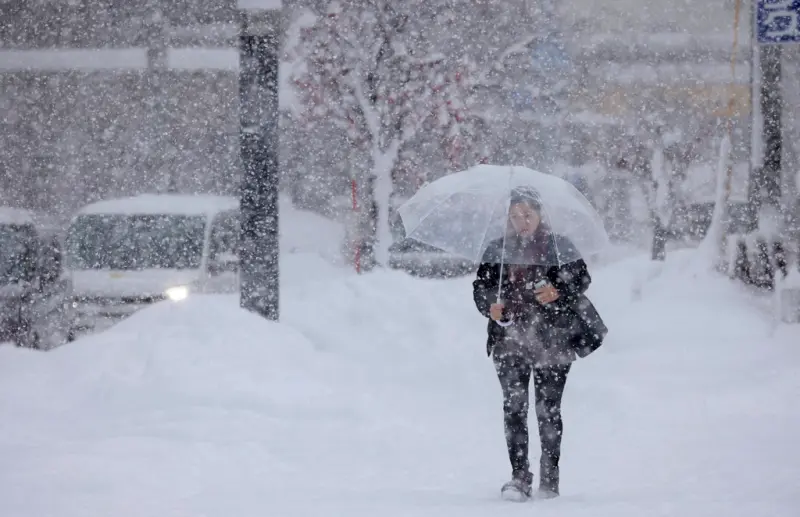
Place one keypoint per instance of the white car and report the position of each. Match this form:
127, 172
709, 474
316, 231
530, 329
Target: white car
125, 254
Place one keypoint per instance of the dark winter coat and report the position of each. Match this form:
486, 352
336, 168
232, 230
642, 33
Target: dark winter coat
572, 310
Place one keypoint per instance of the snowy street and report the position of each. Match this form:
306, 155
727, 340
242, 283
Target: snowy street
336, 167
374, 397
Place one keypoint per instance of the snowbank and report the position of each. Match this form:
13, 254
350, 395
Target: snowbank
307, 233
374, 396
206, 349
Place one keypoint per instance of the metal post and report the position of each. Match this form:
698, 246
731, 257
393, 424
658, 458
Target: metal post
258, 139
754, 148
162, 162
777, 23
771, 109
658, 251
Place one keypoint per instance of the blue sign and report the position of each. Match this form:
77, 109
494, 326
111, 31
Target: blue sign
778, 21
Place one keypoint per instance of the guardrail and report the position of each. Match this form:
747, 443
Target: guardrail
769, 263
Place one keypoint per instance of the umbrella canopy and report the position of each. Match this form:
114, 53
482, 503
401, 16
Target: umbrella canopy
465, 212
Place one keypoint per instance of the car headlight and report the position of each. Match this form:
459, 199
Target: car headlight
177, 293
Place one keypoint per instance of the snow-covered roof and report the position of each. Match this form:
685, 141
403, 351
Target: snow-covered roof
134, 58
176, 204
43, 222
9, 215
259, 4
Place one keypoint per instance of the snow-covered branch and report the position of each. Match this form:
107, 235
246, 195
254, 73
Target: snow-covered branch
491, 76
366, 70
362, 67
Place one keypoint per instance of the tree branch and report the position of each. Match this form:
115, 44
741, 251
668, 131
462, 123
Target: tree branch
499, 63
367, 109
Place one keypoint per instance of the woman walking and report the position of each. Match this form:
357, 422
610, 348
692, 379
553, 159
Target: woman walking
541, 325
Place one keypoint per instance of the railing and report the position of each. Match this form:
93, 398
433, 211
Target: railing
769, 263
756, 259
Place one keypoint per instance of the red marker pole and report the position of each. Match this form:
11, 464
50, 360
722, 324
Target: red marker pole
354, 190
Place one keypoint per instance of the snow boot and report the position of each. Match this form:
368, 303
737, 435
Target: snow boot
546, 493
548, 480
519, 488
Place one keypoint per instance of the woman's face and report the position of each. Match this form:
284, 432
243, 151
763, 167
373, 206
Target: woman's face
524, 219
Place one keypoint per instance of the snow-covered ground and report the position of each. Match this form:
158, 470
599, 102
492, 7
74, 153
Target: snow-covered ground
374, 396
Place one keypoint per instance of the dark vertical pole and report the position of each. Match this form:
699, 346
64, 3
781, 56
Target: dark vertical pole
769, 184
752, 172
659, 248
160, 163
258, 138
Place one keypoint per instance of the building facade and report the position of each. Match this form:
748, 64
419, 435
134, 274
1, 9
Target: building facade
110, 98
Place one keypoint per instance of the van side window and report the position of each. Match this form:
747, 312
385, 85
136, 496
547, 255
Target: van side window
224, 235
50, 260
18, 253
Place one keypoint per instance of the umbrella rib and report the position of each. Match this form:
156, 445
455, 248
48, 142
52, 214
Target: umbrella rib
555, 240
432, 210
483, 239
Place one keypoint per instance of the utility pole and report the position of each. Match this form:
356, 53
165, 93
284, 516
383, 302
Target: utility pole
259, 44
777, 23
769, 183
162, 161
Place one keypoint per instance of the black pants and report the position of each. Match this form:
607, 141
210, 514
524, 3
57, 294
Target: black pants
514, 372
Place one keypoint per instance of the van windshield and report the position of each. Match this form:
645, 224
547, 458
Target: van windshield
135, 242
17, 253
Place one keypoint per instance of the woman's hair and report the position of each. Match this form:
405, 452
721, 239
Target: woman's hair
527, 196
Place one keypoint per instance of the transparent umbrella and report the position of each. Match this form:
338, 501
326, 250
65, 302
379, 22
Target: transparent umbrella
465, 212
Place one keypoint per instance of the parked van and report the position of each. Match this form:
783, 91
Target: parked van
125, 254
32, 288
